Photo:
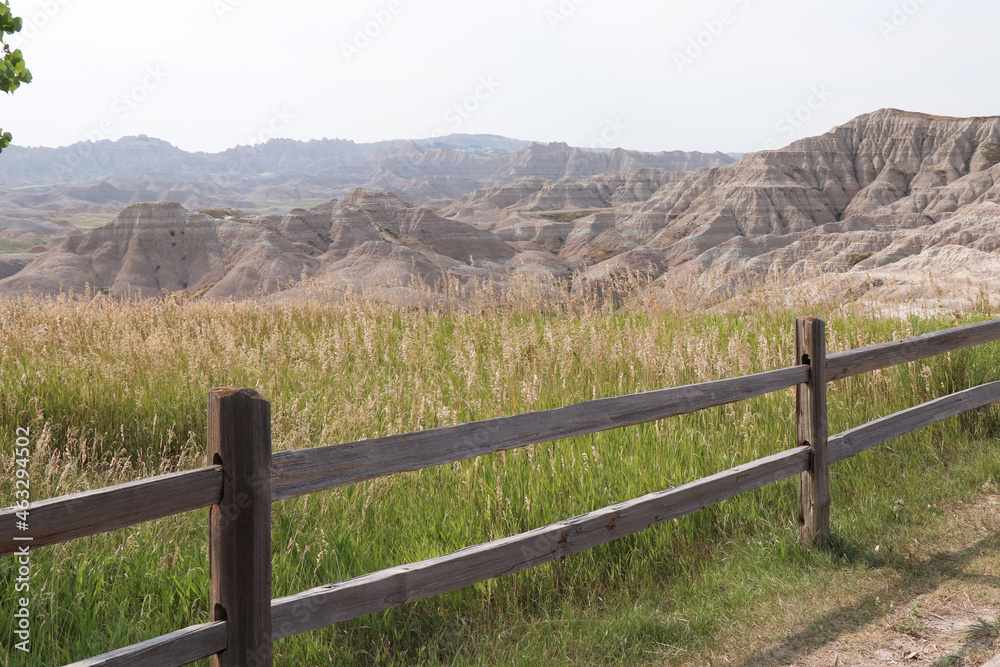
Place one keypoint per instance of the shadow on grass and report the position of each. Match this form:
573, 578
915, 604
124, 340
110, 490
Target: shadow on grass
918, 577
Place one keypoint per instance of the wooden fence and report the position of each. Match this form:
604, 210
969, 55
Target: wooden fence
242, 479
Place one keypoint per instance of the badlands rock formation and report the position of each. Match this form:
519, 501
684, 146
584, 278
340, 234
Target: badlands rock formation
106, 176
24, 233
886, 187
368, 238
885, 201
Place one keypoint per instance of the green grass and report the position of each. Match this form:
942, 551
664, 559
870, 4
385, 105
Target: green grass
220, 213
983, 629
568, 216
13, 245
88, 221
991, 151
283, 206
116, 391
857, 257
390, 231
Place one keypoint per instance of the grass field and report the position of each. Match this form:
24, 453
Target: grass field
116, 391
283, 206
13, 245
88, 221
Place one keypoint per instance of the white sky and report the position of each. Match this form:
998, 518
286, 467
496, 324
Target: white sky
211, 74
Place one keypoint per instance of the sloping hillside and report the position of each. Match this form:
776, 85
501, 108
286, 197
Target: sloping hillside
889, 192
889, 201
366, 238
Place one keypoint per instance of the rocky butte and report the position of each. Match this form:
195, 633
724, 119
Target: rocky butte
889, 196
368, 238
886, 201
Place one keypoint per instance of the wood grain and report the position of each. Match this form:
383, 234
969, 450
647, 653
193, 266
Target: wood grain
873, 357
323, 606
296, 473
811, 430
177, 648
856, 440
993, 662
102, 510
239, 528
242, 479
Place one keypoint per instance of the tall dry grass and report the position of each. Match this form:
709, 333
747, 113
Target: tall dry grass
113, 391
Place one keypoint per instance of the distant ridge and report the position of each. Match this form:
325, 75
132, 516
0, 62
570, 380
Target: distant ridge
875, 206
890, 197
420, 170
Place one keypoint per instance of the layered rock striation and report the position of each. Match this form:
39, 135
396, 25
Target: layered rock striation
367, 238
887, 186
889, 195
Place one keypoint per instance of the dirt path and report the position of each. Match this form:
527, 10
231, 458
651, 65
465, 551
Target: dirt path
940, 607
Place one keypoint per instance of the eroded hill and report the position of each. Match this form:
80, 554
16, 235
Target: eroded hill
889, 195
888, 200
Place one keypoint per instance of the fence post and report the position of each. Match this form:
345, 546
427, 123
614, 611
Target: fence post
811, 429
239, 528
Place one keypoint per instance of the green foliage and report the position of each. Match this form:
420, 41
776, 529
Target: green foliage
390, 231
221, 213
13, 245
13, 71
858, 257
115, 390
991, 151
569, 216
984, 629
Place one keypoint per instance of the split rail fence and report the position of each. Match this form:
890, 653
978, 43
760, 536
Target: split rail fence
242, 479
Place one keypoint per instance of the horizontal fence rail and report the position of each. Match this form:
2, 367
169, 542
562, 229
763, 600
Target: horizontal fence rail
296, 473
91, 512
299, 472
319, 607
334, 603
862, 360
856, 440
177, 648
239, 419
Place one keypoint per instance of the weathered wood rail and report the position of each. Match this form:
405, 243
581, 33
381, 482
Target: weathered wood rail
241, 479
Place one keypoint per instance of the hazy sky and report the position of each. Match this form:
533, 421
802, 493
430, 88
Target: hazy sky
731, 75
